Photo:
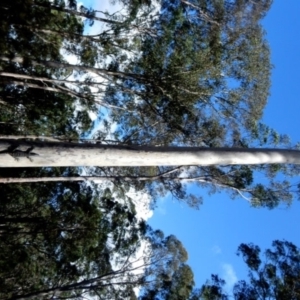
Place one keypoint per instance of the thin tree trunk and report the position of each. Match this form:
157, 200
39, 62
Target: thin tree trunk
57, 64
44, 79
54, 154
45, 88
80, 14
59, 89
203, 15
93, 178
37, 137
85, 285
95, 18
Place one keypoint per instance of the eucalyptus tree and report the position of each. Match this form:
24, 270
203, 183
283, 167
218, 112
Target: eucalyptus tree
167, 169
199, 77
63, 30
71, 241
203, 80
179, 288
275, 275
35, 106
185, 61
36, 42
197, 73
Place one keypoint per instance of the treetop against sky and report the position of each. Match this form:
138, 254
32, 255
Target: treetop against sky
167, 82
196, 74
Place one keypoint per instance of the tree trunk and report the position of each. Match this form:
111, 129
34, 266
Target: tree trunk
79, 14
55, 154
63, 65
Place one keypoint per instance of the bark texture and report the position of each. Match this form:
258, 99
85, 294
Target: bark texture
51, 154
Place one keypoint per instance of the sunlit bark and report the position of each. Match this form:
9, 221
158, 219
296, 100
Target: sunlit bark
50, 154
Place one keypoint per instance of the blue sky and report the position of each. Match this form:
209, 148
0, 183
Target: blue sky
212, 234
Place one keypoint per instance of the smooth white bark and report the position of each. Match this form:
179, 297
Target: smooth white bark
51, 154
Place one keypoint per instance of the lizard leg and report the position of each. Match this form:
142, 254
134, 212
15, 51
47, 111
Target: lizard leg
29, 149
14, 156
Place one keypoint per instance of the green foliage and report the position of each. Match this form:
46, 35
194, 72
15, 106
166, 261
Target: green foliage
274, 276
174, 278
29, 105
202, 78
195, 74
72, 240
197, 69
63, 237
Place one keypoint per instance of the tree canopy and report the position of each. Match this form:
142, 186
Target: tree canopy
275, 275
158, 73
69, 241
179, 73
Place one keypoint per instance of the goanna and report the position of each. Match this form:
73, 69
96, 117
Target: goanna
16, 154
